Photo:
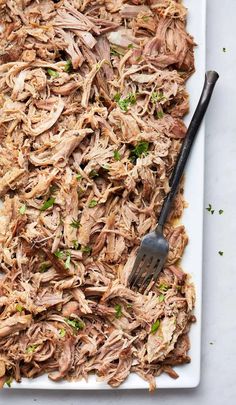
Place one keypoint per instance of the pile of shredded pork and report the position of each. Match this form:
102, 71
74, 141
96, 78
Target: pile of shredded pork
92, 95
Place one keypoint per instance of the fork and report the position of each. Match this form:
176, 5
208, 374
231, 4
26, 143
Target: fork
154, 247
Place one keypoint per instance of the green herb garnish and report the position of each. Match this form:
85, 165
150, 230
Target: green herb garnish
48, 204
157, 96
78, 176
163, 287
67, 262
31, 349
115, 51
68, 68
145, 18
86, 249
160, 114
75, 323
8, 382
130, 46
117, 155
53, 73
75, 224
117, 97
221, 212
44, 267
93, 174
59, 254
118, 310
224, 49
155, 326
92, 203
62, 332
221, 253
19, 308
161, 298
209, 208
22, 209
124, 103
76, 245
141, 149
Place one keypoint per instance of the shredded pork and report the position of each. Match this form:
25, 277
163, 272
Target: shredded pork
92, 96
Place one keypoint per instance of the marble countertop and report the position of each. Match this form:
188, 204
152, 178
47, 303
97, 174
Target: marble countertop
219, 321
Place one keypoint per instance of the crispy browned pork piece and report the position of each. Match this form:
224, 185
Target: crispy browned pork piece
92, 96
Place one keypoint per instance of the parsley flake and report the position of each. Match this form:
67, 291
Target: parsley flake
75, 323
19, 308
48, 204
59, 254
221, 253
155, 326
22, 209
53, 73
92, 203
75, 224
221, 212
8, 382
118, 310
161, 298
117, 155
62, 332
68, 68
67, 262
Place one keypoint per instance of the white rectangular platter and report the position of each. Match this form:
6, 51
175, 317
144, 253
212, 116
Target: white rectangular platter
189, 374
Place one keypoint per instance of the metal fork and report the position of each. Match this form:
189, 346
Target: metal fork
154, 247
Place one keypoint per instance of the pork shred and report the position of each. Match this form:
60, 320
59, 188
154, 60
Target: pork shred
92, 99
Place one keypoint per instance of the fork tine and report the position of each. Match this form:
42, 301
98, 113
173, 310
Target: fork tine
142, 265
137, 262
158, 270
153, 264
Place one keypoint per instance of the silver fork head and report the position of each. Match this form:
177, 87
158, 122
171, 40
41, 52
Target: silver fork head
150, 260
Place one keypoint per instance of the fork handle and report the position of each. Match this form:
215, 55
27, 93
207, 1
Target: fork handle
210, 81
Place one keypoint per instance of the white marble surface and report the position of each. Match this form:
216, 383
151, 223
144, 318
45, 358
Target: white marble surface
218, 378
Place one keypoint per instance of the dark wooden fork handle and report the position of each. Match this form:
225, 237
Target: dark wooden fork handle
210, 81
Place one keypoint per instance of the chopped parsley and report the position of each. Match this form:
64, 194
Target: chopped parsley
124, 103
118, 310
62, 332
86, 249
48, 204
76, 245
164, 287
209, 208
160, 114
75, 224
157, 96
161, 298
117, 51
19, 308
68, 68
93, 174
141, 149
92, 203
117, 155
44, 267
67, 262
155, 326
8, 382
221, 212
75, 323
224, 49
78, 176
130, 46
221, 253
22, 209
145, 18
53, 73
31, 349
59, 254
